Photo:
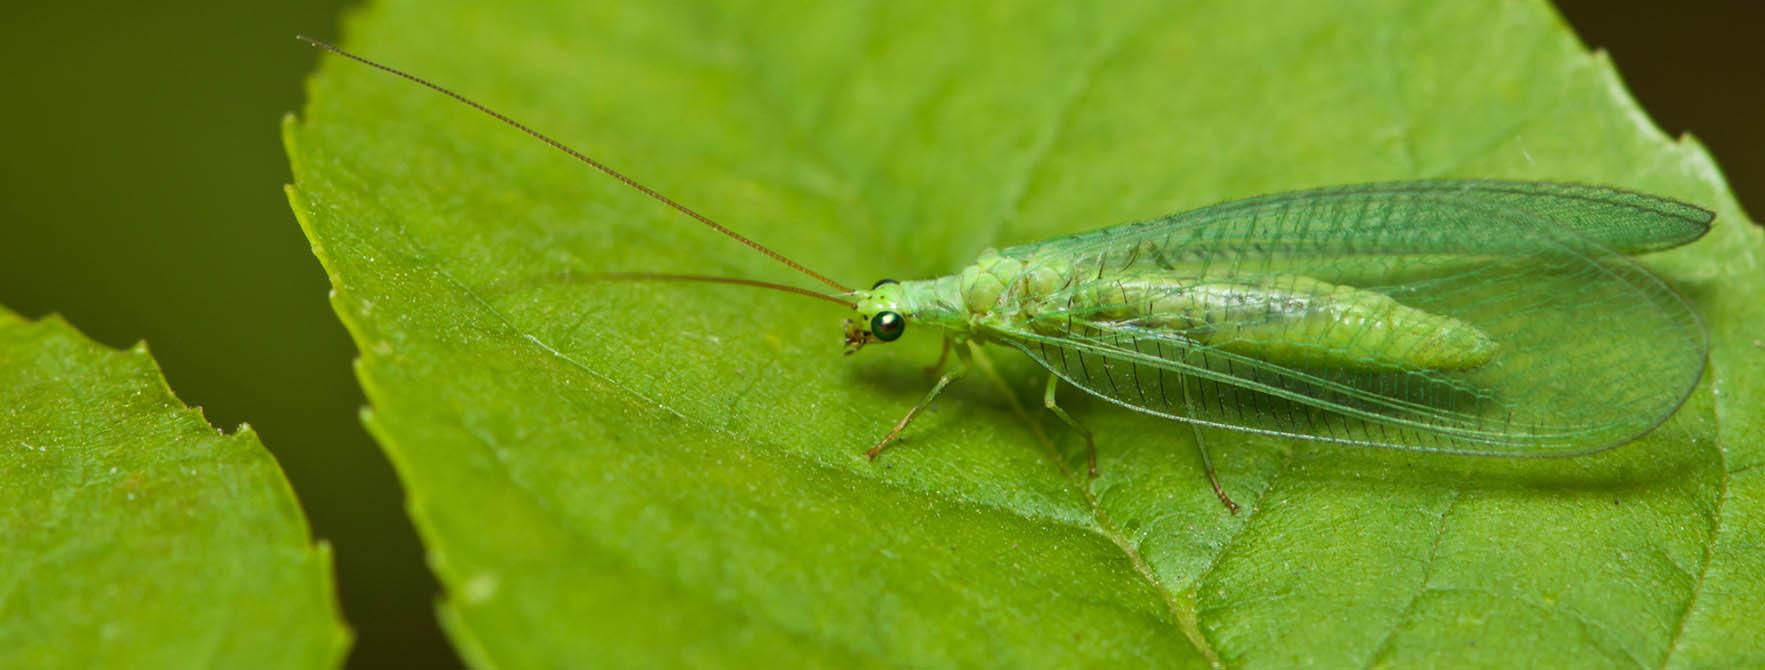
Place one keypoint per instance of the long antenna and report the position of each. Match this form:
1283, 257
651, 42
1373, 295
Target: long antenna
712, 279
560, 146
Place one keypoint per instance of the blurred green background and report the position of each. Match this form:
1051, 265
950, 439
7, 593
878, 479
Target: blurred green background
141, 197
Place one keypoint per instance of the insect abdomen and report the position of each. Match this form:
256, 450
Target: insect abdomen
1289, 320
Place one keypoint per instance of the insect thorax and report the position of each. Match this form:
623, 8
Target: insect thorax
936, 302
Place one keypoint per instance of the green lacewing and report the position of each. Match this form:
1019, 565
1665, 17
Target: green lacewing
1477, 317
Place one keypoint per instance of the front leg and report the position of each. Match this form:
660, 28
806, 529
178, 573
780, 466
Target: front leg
938, 388
943, 356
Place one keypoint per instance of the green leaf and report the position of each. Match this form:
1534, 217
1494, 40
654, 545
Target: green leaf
133, 534
630, 473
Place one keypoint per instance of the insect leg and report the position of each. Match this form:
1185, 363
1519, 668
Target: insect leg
1090, 442
943, 356
1212, 477
1201, 446
952, 375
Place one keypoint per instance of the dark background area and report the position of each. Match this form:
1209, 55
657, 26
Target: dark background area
140, 196
1698, 68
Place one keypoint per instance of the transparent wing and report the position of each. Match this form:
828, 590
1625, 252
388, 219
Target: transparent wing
1336, 220
1592, 350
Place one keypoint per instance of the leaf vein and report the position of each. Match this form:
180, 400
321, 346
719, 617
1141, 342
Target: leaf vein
1409, 608
1678, 635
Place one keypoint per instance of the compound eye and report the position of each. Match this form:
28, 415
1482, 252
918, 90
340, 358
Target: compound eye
887, 326
880, 282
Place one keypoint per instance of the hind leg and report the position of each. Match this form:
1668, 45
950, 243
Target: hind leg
1213, 478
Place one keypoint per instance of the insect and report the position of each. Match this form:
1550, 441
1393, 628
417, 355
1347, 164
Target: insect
1476, 317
